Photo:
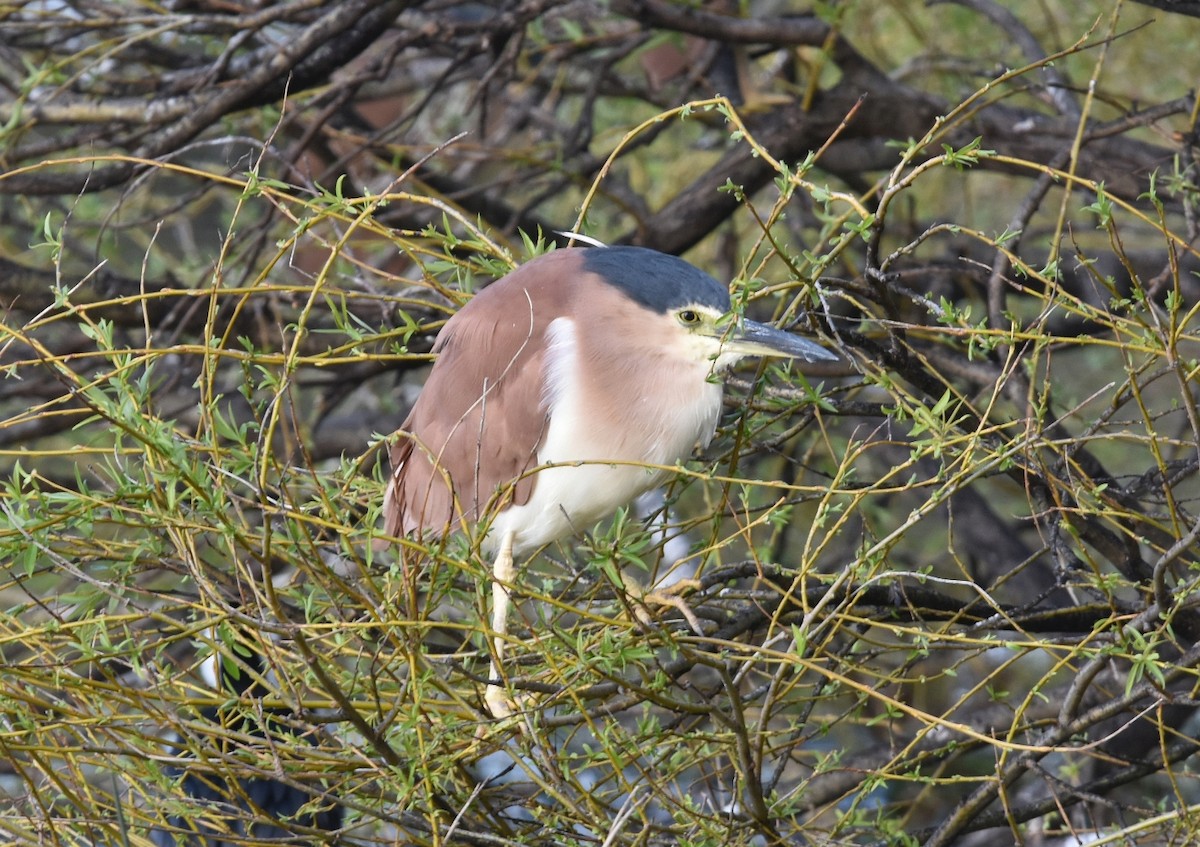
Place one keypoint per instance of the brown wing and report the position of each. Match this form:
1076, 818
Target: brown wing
481, 417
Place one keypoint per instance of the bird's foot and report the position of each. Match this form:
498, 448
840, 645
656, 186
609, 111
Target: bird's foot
508, 710
501, 703
666, 596
500, 700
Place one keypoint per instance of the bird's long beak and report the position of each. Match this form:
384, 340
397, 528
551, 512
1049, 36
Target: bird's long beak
750, 338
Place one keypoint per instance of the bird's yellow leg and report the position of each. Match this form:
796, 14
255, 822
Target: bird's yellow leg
496, 698
668, 596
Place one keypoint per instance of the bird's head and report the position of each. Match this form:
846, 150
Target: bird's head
689, 311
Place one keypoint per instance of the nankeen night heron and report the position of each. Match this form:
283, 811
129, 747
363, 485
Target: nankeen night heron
559, 394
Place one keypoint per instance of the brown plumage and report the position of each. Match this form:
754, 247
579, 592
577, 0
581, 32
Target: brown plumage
488, 355
602, 358
559, 394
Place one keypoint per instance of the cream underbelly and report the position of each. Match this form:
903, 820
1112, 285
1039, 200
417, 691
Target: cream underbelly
581, 486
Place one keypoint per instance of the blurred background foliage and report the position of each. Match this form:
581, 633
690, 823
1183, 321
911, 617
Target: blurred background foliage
947, 587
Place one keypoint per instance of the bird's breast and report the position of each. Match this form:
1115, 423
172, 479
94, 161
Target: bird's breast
613, 425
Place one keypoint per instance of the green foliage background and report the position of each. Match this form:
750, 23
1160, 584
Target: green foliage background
948, 589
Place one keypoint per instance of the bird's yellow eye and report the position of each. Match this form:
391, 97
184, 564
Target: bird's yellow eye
689, 317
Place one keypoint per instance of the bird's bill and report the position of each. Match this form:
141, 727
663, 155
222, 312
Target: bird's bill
751, 338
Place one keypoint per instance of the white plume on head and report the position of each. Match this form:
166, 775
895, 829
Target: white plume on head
586, 239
